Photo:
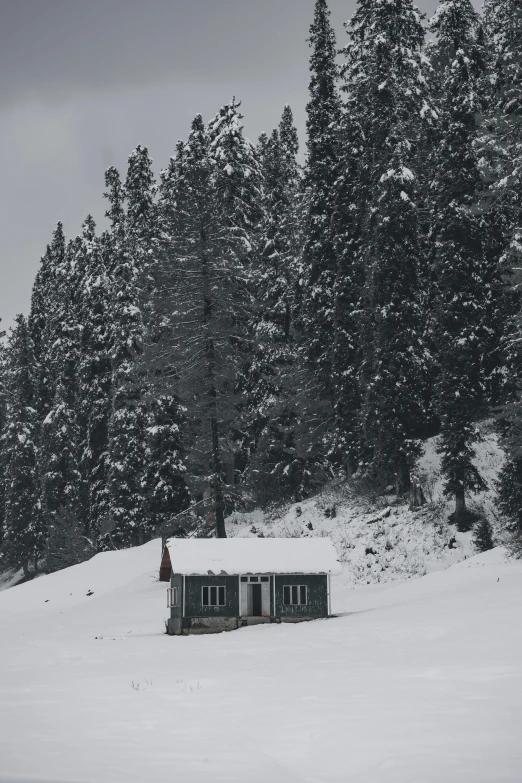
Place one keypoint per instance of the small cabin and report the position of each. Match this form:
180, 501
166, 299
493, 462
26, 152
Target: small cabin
220, 584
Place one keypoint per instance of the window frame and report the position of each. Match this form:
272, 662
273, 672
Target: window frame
299, 589
172, 597
218, 589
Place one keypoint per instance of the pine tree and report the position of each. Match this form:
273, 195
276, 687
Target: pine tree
509, 487
45, 294
349, 200
66, 544
95, 380
283, 462
319, 257
166, 489
24, 529
459, 237
483, 535
385, 76
60, 474
131, 275
208, 213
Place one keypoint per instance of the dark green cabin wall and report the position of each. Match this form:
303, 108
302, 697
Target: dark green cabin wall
193, 605
317, 605
176, 580
317, 596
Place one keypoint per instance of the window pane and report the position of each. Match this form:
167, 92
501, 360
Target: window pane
286, 595
303, 594
213, 596
222, 596
254, 579
205, 596
295, 599
265, 578
244, 578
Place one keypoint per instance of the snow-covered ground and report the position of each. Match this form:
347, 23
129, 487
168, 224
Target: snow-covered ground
379, 541
413, 682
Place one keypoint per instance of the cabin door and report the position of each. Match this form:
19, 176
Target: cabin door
257, 603
254, 596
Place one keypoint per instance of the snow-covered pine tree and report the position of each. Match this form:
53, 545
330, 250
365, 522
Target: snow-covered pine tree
130, 275
166, 489
500, 145
24, 528
208, 213
350, 194
282, 465
95, 380
459, 237
61, 483
502, 162
238, 186
385, 75
319, 257
60, 433
483, 535
44, 296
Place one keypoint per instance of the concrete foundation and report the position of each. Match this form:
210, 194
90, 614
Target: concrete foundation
199, 625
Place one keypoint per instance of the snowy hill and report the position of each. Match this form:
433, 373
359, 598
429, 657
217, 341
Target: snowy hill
413, 682
379, 541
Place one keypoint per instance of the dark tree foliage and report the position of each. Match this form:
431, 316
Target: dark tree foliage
319, 258
132, 230
95, 381
273, 373
24, 529
45, 295
388, 100
459, 236
483, 535
166, 489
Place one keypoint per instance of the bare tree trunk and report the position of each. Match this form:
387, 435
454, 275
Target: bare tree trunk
402, 477
417, 498
219, 503
460, 508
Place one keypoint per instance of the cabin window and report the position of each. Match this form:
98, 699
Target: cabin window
213, 596
295, 595
172, 597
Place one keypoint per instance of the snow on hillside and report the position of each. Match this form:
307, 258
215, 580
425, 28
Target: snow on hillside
380, 541
417, 682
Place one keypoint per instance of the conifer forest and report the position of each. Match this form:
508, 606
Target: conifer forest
248, 328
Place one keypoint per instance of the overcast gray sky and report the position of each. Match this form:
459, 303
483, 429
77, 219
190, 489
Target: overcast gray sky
82, 82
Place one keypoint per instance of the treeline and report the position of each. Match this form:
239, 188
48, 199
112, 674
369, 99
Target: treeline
248, 328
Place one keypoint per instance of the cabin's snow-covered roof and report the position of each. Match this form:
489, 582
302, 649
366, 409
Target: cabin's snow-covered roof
253, 556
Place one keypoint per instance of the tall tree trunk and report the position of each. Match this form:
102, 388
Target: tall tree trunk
210, 352
402, 476
460, 517
219, 503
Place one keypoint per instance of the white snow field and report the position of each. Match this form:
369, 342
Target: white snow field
413, 682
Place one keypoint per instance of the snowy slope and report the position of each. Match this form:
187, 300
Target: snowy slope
418, 682
379, 541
